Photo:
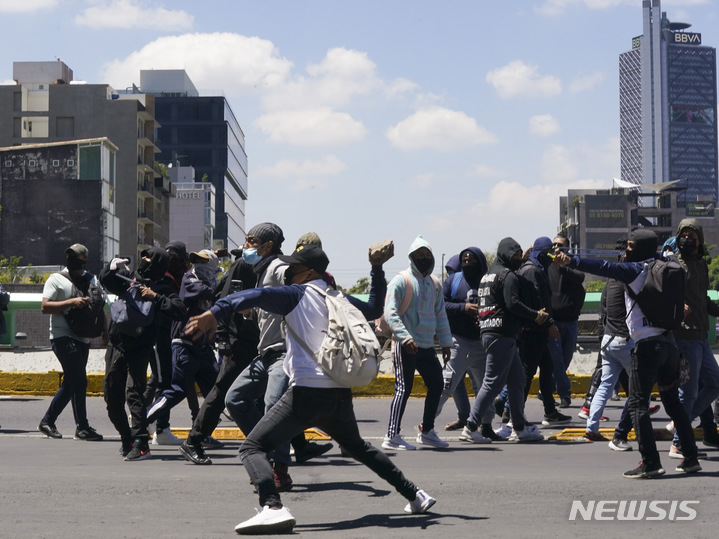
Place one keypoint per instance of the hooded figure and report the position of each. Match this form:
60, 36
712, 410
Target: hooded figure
151, 271
509, 254
413, 333
205, 266
687, 247
539, 254
644, 245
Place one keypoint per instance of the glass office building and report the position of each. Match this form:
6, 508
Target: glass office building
668, 110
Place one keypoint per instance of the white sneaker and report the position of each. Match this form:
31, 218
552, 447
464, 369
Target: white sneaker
267, 521
430, 438
165, 437
473, 436
504, 431
530, 433
397, 443
420, 504
670, 426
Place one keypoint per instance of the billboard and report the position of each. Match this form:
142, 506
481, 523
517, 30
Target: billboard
700, 210
606, 211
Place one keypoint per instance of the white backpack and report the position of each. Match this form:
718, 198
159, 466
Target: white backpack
349, 353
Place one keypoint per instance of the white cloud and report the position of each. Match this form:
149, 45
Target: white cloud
219, 60
484, 171
341, 76
518, 78
439, 129
130, 14
330, 165
25, 6
557, 7
586, 82
543, 125
566, 163
311, 127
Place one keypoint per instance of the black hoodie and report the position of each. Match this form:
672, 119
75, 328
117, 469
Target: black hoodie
501, 308
167, 301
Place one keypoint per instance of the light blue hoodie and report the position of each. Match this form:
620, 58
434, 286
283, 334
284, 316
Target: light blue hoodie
426, 315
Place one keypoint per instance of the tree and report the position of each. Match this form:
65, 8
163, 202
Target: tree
360, 287
714, 273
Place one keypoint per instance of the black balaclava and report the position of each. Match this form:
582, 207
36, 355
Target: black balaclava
505, 250
153, 270
645, 245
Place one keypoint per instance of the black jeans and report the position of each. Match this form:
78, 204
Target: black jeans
72, 355
209, 415
534, 352
125, 380
656, 360
328, 409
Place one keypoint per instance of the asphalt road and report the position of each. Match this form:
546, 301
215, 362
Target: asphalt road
67, 488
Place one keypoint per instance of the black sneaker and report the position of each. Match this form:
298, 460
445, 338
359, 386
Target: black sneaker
556, 417
211, 443
457, 424
689, 466
310, 451
645, 472
88, 434
194, 453
711, 437
488, 432
126, 446
565, 402
49, 430
140, 451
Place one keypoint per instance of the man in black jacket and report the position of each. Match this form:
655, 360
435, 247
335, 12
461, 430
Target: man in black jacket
128, 356
534, 340
567, 298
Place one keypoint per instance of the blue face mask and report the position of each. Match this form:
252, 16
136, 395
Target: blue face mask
250, 256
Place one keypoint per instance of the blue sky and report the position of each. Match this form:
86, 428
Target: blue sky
463, 121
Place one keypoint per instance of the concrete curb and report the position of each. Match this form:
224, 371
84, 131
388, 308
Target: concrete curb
47, 383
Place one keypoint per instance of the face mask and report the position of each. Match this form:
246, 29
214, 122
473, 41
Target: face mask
250, 256
73, 263
471, 271
543, 259
687, 246
423, 264
514, 263
143, 267
205, 272
289, 275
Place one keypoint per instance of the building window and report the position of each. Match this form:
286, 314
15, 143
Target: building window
56, 162
70, 162
31, 163
8, 163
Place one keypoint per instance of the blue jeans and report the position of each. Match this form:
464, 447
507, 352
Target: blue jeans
72, 355
656, 360
263, 380
328, 409
190, 364
616, 355
467, 356
503, 367
702, 365
562, 351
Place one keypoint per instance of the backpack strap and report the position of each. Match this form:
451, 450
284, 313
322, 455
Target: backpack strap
408, 291
456, 281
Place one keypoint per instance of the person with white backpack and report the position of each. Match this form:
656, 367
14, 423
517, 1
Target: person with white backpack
315, 397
